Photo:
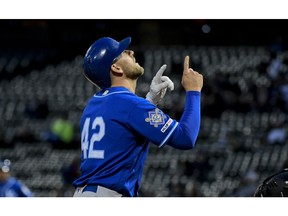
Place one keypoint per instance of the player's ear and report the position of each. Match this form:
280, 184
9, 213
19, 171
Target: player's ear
116, 70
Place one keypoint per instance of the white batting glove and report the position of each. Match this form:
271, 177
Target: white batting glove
159, 86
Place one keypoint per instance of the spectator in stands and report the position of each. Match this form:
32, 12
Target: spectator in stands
10, 186
273, 68
260, 98
276, 134
61, 133
283, 91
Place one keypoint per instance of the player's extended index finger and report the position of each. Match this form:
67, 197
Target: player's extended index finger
186, 63
161, 71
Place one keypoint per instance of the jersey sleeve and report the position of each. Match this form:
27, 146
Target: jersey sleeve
186, 133
152, 123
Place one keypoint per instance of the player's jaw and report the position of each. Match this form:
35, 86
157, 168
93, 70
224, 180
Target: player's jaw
133, 71
129, 65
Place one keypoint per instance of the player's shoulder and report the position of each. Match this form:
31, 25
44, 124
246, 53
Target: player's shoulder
132, 100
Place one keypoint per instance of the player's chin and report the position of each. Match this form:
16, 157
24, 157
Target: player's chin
139, 70
142, 70
140, 73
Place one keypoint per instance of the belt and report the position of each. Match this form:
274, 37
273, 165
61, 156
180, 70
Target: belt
92, 188
99, 190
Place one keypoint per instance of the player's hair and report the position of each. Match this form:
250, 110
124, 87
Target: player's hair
275, 185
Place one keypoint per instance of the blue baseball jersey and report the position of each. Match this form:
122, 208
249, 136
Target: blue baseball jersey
14, 188
116, 129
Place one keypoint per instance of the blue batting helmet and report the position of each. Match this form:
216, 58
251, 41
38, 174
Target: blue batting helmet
99, 57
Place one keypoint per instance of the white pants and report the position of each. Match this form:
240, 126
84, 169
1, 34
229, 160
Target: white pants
98, 192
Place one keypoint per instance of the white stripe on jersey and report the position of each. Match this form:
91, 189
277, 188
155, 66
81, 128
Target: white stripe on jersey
112, 93
167, 137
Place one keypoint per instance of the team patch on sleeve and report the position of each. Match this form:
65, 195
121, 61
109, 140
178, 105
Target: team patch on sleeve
166, 126
156, 117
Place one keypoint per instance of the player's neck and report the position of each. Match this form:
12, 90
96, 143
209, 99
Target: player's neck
129, 84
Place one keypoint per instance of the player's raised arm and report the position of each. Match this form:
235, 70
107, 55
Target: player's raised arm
191, 80
186, 133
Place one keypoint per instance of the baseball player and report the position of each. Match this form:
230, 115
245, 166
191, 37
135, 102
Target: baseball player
117, 125
9, 186
275, 185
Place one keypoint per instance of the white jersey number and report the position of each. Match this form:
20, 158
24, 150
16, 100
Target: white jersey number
88, 147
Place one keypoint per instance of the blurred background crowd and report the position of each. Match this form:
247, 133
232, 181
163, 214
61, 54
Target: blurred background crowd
243, 135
